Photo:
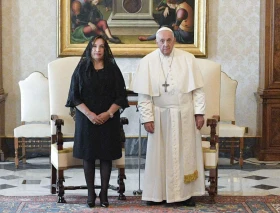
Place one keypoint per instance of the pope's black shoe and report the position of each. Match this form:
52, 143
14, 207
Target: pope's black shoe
152, 203
189, 202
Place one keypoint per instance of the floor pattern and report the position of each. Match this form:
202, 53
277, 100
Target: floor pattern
33, 179
134, 204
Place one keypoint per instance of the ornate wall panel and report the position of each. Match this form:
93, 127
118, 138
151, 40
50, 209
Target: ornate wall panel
276, 52
269, 88
274, 132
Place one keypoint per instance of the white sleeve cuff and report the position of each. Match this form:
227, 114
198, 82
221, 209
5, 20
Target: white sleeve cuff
199, 101
145, 107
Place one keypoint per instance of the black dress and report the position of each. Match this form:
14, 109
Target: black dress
98, 91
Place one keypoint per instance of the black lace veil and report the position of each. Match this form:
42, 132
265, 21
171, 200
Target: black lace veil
108, 55
86, 63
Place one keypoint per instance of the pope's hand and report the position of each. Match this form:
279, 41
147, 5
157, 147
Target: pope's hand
199, 121
149, 127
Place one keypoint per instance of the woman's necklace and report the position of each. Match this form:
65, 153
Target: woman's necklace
165, 85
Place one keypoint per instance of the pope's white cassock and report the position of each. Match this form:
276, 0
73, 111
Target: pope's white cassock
174, 163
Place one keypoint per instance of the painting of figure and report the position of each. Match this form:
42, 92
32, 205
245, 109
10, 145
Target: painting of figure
178, 15
89, 17
87, 21
129, 26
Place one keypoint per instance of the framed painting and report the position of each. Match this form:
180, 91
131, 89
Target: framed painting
130, 25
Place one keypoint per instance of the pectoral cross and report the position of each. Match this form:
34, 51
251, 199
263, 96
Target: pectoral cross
165, 85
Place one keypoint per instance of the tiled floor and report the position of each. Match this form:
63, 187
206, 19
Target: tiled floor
256, 178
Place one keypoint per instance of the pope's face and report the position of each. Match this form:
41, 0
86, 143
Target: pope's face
165, 41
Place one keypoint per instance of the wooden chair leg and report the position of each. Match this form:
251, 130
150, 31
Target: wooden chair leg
241, 147
213, 186
16, 152
121, 189
60, 187
216, 175
53, 179
23, 148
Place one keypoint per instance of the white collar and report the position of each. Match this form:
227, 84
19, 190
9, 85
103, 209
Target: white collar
166, 56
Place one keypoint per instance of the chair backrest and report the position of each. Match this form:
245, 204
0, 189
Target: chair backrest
60, 72
228, 96
34, 93
211, 72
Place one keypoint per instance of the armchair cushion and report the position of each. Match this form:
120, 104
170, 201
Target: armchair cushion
63, 159
32, 130
210, 157
231, 130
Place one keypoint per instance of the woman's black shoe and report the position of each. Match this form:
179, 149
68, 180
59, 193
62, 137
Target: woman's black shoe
103, 201
91, 204
104, 204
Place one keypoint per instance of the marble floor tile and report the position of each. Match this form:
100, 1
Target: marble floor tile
33, 179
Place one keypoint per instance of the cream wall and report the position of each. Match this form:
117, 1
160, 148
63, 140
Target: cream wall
29, 43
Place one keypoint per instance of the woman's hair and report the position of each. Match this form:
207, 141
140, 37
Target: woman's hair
108, 55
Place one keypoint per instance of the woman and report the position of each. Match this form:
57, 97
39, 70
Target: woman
98, 93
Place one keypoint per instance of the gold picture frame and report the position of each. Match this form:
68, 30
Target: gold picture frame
65, 48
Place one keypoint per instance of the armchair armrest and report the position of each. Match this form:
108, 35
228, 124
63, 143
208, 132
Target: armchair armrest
54, 117
212, 122
58, 137
123, 121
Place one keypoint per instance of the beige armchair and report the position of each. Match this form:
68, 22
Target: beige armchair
211, 72
231, 134
63, 127
35, 114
